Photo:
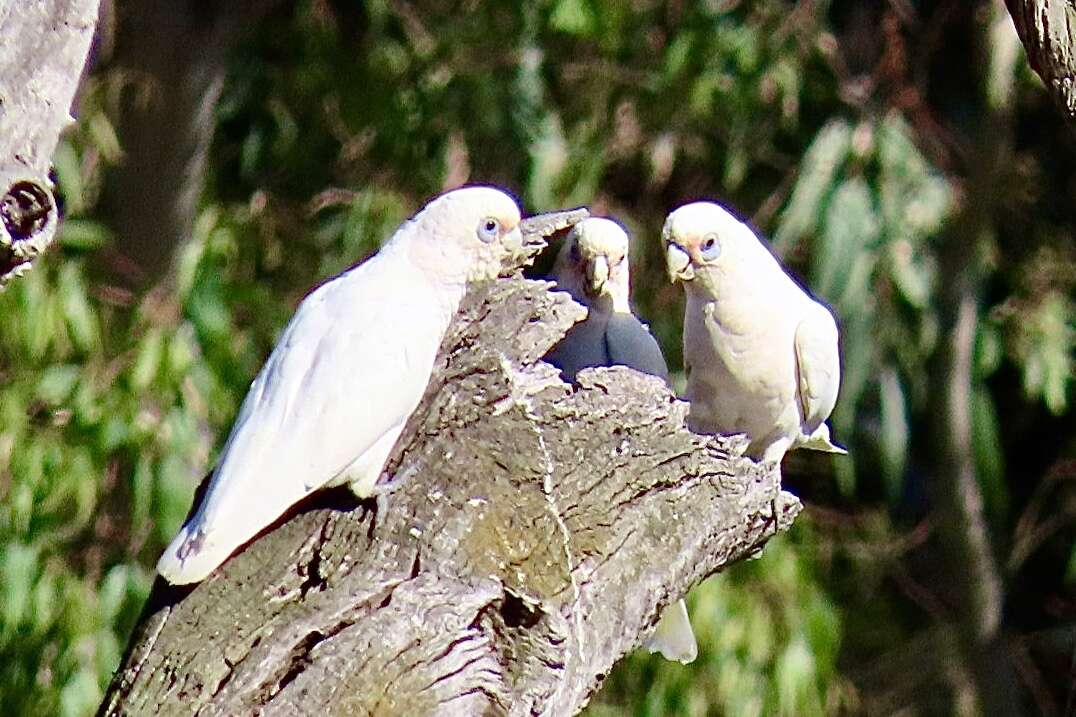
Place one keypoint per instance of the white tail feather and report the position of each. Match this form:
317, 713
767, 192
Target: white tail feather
673, 637
820, 441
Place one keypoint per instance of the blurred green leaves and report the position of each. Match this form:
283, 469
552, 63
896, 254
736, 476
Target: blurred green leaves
575, 17
1045, 348
769, 640
869, 204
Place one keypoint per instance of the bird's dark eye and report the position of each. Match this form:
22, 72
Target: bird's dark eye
489, 229
573, 252
710, 247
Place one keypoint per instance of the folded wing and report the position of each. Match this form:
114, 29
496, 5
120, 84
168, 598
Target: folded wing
630, 343
818, 367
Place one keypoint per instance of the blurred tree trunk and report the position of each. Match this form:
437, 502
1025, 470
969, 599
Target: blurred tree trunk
538, 531
174, 53
971, 569
1048, 31
42, 55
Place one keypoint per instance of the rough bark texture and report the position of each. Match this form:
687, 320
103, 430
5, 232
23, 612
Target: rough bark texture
1048, 31
42, 54
535, 534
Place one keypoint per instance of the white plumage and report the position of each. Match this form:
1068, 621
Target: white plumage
762, 355
349, 369
593, 267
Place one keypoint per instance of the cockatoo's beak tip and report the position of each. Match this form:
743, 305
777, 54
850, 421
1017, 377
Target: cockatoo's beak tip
678, 264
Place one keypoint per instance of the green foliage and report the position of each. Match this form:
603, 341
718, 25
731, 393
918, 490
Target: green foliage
870, 203
1040, 323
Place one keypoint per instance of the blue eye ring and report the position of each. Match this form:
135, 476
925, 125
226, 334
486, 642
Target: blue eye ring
488, 230
710, 247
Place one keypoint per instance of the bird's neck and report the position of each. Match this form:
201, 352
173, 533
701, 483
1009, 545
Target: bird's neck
619, 297
724, 293
440, 273
436, 259
722, 285
603, 304
614, 301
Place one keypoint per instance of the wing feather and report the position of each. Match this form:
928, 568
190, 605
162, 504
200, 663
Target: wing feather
818, 367
582, 347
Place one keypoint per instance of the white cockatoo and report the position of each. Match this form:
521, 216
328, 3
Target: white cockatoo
349, 368
592, 266
761, 354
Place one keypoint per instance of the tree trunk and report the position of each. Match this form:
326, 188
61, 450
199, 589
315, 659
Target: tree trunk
535, 533
1048, 30
42, 54
971, 571
175, 53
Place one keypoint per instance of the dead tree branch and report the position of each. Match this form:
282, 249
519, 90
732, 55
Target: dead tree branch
537, 533
43, 52
1048, 31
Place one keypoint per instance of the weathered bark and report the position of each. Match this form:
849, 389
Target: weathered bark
1048, 30
174, 54
537, 531
42, 54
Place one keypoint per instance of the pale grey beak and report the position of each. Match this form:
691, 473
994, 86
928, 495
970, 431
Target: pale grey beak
678, 264
597, 274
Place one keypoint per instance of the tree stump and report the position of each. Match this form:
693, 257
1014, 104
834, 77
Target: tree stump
535, 533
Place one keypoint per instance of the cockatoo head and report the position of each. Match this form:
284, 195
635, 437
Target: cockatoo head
703, 240
471, 234
593, 263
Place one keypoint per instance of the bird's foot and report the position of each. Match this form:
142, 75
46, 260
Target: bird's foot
386, 484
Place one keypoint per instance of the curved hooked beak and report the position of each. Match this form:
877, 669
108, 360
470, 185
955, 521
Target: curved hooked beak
597, 270
534, 231
678, 264
516, 254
